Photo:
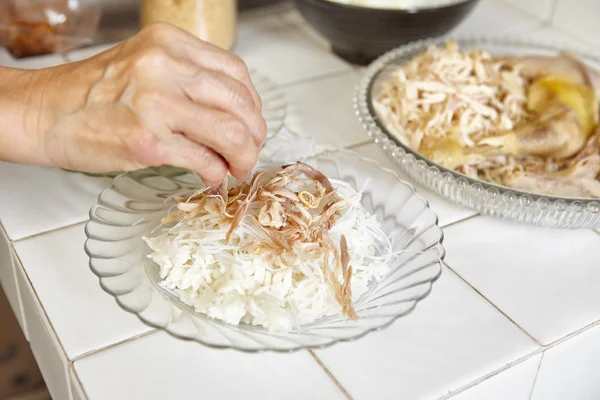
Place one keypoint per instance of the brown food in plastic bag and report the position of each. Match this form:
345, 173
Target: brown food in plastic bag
35, 27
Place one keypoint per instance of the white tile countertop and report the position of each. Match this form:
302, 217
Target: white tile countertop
515, 314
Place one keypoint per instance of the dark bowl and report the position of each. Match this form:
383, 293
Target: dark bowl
360, 34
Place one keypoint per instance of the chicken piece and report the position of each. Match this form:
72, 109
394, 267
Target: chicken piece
565, 65
581, 178
577, 181
450, 153
556, 133
565, 114
550, 89
272, 215
591, 148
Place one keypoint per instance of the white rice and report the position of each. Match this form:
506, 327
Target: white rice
218, 280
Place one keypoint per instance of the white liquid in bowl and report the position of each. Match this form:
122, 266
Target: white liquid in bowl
398, 4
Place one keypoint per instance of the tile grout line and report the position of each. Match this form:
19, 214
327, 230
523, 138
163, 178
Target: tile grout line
76, 377
317, 78
548, 23
358, 145
491, 375
580, 41
34, 235
51, 330
495, 306
572, 335
113, 345
12, 254
537, 373
544, 347
70, 362
552, 11
299, 26
523, 13
330, 375
470, 217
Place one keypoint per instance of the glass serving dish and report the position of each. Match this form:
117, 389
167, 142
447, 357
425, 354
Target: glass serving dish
136, 202
485, 197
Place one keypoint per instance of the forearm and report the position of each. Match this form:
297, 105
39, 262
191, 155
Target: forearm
31, 104
21, 102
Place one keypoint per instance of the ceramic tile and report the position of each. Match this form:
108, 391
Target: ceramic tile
57, 260
544, 279
38, 62
288, 55
294, 17
8, 279
44, 344
494, 17
446, 211
515, 383
570, 369
172, 368
261, 19
540, 9
451, 339
5, 57
76, 389
323, 110
35, 199
562, 38
579, 18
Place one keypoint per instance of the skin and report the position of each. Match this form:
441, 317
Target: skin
161, 97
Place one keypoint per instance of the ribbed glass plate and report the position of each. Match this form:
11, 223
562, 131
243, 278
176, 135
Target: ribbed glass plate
135, 203
485, 197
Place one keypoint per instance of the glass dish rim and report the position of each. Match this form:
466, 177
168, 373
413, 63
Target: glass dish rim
370, 122
437, 245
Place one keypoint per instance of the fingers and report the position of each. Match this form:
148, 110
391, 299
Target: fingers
216, 90
213, 57
179, 151
224, 133
197, 99
201, 53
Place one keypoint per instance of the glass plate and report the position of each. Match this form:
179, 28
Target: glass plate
274, 108
135, 203
485, 197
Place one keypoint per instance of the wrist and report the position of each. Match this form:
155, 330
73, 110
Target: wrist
32, 103
23, 115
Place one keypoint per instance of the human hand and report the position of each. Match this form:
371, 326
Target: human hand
161, 97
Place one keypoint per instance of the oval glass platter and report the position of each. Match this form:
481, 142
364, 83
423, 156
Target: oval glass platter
136, 202
485, 197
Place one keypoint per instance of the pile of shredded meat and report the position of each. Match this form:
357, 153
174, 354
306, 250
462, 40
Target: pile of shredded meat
530, 123
281, 250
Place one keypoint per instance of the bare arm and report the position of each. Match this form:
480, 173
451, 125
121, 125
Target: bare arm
161, 97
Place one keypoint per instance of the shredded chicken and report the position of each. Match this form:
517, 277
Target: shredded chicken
446, 94
522, 122
290, 212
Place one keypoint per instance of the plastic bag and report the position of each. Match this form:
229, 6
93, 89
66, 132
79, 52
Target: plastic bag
35, 27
